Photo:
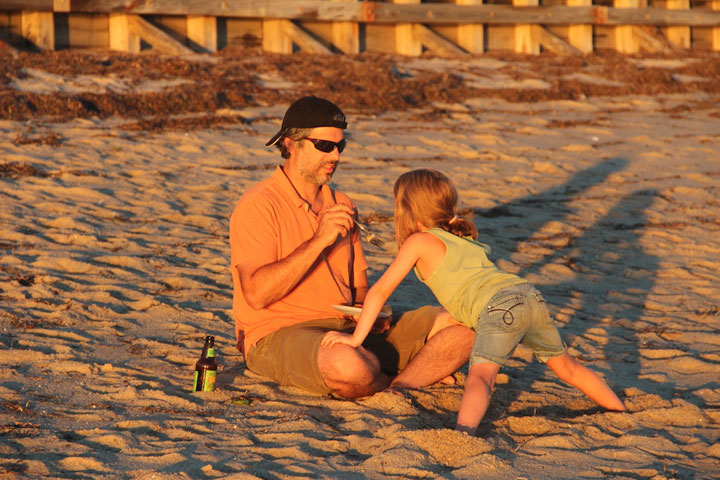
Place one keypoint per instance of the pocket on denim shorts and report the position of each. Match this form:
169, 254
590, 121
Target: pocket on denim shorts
547, 319
507, 313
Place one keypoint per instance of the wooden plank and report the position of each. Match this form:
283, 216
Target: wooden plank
61, 27
679, 36
88, 30
11, 28
39, 29
202, 31
241, 32
274, 38
61, 6
325, 33
174, 26
29, 5
6, 47
436, 43
6, 33
500, 37
707, 38
160, 41
389, 13
379, 38
302, 39
552, 43
122, 37
647, 41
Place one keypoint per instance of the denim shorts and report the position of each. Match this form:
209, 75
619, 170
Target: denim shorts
514, 315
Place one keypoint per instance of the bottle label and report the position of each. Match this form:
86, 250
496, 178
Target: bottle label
211, 352
206, 380
194, 389
209, 381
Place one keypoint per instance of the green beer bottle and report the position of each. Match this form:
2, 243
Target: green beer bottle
206, 367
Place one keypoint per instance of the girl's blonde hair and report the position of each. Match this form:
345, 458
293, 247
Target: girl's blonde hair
427, 197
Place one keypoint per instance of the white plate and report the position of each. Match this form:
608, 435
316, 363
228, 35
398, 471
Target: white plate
355, 311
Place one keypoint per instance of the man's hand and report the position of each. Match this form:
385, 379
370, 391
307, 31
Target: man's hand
334, 221
334, 338
381, 325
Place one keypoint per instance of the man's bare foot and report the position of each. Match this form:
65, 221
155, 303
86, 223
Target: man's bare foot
449, 380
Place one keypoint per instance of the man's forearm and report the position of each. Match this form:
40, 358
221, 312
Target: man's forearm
272, 282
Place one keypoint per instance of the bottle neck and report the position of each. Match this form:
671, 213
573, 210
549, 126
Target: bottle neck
209, 347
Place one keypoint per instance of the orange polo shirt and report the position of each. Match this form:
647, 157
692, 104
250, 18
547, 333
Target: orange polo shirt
269, 222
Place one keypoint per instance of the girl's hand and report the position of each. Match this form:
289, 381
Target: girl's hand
334, 338
382, 322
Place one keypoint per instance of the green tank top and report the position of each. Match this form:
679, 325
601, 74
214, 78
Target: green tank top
466, 280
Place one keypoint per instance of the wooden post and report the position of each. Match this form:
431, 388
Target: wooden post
202, 31
406, 42
677, 35
470, 36
623, 39
707, 37
121, 36
716, 30
519, 38
525, 41
579, 36
39, 29
274, 38
346, 36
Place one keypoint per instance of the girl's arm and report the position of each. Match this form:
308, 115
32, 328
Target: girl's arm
410, 253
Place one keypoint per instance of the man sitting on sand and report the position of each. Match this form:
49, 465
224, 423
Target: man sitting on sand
296, 252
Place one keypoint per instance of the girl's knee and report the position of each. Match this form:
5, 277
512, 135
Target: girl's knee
484, 372
564, 366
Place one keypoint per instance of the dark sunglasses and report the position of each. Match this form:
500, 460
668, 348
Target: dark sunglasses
327, 146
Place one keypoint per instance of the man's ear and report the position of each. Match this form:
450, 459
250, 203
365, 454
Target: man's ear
289, 143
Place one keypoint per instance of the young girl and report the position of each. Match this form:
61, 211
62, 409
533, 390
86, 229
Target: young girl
502, 308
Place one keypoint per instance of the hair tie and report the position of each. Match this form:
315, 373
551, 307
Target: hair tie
453, 220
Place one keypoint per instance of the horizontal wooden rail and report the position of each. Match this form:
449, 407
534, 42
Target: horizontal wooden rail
385, 13
406, 27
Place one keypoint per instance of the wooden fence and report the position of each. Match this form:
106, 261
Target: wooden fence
407, 27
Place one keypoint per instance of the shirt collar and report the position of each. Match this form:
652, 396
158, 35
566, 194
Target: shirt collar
288, 190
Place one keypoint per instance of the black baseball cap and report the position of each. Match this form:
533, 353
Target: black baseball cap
310, 112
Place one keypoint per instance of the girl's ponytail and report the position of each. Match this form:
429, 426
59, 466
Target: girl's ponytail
461, 227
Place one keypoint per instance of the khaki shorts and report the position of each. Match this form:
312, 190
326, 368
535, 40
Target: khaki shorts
289, 355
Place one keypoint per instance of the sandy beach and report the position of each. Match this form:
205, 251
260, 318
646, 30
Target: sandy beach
596, 178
